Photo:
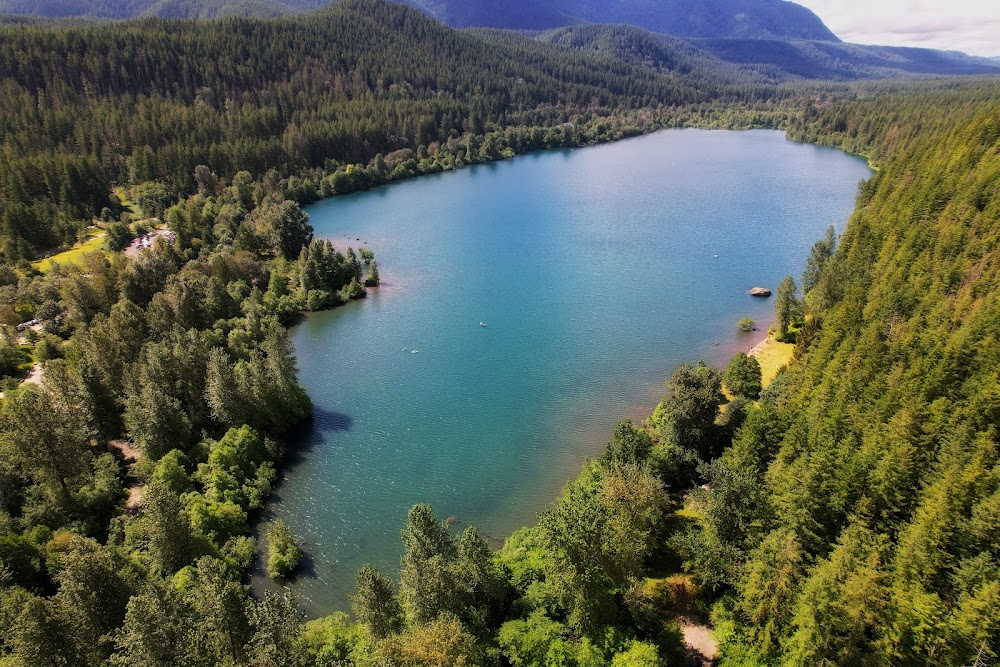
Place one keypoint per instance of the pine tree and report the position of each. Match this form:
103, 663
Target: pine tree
375, 603
785, 306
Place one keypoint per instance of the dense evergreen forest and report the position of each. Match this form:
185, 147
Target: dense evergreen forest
855, 516
756, 19
134, 103
849, 513
184, 9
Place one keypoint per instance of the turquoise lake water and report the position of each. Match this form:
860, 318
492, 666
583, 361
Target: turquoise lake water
596, 270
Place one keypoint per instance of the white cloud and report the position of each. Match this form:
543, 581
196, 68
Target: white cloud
972, 26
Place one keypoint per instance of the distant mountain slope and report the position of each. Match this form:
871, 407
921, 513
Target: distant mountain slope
109, 9
218, 8
738, 19
838, 61
662, 53
123, 9
733, 40
765, 60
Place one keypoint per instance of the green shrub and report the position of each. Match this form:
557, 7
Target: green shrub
353, 290
283, 554
372, 280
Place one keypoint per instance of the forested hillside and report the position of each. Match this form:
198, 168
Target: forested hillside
125, 9
646, 49
127, 103
763, 60
869, 480
839, 61
768, 41
738, 19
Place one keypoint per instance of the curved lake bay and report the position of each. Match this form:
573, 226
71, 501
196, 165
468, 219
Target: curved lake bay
596, 272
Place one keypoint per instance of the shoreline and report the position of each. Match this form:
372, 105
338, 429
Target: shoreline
760, 347
656, 125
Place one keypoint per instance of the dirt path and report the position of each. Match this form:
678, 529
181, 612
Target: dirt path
675, 596
134, 501
699, 641
128, 452
34, 375
131, 455
22, 336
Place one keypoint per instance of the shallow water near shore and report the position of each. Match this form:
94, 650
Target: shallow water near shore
596, 271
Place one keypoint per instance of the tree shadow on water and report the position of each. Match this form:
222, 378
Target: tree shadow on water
260, 581
307, 566
304, 437
328, 420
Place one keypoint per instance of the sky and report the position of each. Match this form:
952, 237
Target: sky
972, 26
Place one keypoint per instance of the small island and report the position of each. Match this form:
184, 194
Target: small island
759, 291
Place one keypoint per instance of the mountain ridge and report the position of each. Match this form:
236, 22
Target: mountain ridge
771, 61
811, 59
128, 9
737, 19
730, 48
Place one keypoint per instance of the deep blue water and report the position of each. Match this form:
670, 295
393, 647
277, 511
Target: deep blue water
596, 271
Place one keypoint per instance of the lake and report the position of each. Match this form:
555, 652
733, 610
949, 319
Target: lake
596, 271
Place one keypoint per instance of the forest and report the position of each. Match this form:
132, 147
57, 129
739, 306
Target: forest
715, 18
847, 513
145, 102
175, 9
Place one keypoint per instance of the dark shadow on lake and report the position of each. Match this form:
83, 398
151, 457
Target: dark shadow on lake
297, 318
307, 566
305, 436
328, 420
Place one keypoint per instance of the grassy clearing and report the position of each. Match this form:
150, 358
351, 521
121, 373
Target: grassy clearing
72, 256
772, 355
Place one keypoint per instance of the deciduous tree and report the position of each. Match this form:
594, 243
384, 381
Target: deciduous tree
743, 376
